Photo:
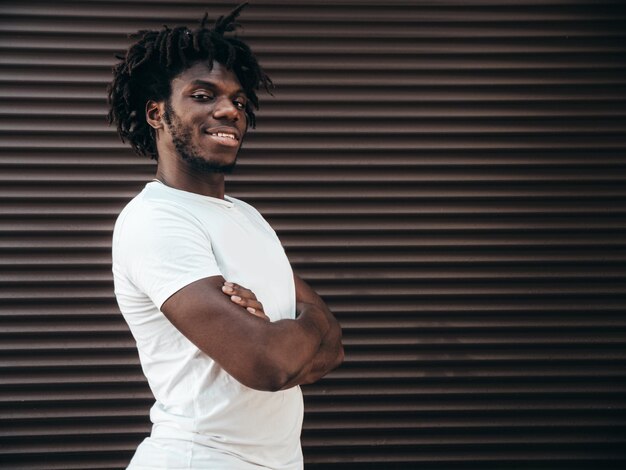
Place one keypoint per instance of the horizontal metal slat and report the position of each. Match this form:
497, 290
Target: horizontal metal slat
314, 27
338, 12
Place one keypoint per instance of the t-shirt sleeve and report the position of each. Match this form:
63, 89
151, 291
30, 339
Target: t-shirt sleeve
163, 248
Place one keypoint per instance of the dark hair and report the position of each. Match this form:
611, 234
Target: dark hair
146, 71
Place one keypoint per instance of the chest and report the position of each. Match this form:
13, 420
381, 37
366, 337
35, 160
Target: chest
249, 253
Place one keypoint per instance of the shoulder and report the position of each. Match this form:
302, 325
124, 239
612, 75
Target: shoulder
149, 222
150, 209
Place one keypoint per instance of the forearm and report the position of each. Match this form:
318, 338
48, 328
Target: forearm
302, 350
297, 351
260, 354
272, 355
329, 356
302, 342
276, 352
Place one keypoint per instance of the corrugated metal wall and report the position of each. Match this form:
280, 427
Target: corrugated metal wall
448, 174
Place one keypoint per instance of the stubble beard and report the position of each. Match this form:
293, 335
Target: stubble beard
182, 139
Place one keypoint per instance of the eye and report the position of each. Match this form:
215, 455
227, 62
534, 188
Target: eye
240, 104
202, 96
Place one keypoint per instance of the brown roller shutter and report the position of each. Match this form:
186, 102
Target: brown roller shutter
449, 175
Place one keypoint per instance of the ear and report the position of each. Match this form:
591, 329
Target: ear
154, 114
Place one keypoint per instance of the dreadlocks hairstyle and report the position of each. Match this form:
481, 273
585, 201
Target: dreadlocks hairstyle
146, 71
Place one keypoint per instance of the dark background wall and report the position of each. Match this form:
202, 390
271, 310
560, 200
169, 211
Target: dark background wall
449, 175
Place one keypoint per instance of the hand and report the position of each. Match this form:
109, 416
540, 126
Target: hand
244, 298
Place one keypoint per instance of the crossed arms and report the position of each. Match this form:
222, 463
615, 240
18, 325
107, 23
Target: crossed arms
263, 355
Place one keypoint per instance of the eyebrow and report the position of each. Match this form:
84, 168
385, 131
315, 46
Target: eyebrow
214, 86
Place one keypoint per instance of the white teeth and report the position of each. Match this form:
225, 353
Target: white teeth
223, 134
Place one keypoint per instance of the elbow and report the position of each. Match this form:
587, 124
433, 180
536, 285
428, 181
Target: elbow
266, 377
281, 378
279, 383
269, 382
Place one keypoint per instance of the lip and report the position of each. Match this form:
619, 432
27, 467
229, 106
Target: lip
225, 129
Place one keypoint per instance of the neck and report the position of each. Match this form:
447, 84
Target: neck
205, 184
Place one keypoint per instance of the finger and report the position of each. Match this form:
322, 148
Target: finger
235, 289
257, 313
245, 303
252, 306
244, 298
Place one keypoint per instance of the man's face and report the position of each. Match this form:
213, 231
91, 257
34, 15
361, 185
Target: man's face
205, 117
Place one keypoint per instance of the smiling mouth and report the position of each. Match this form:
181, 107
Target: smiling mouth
226, 139
226, 135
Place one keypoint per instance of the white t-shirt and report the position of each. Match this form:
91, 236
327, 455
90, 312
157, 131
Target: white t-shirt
165, 239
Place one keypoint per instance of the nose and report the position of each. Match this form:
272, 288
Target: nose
226, 109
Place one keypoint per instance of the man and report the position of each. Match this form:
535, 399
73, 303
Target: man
224, 361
